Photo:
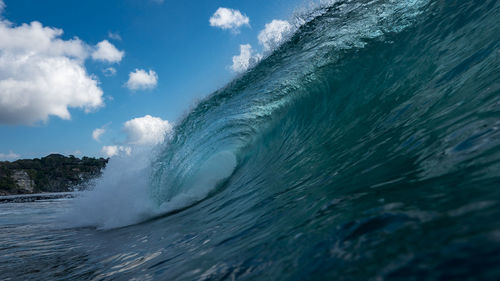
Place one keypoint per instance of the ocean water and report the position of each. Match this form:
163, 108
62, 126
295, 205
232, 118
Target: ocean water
365, 147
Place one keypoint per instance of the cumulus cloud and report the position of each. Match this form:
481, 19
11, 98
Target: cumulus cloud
34, 39
11, 155
140, 79
114, 150
97, 133
245, 59
42, 75
147, 130
274, 33
107, 52
226, 18
141, 132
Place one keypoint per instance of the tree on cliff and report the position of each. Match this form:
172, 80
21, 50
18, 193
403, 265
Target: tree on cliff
53, 173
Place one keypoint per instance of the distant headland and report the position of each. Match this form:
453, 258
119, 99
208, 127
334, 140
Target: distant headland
53, 173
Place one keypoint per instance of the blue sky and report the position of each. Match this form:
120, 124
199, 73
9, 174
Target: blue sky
59, 94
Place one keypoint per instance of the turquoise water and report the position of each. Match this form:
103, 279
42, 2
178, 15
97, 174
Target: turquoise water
366, 147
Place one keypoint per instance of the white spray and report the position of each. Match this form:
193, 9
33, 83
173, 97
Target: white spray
122, 197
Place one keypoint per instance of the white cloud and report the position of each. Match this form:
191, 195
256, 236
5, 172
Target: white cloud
274, 33
114, 36
114, 150
34, 39
110, 71
147, 130
42, 75
32, 88
140, 79
97, 133
142, 132
226, 18
107, 52
11, 155
247, 58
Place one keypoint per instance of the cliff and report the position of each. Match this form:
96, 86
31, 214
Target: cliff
53, 173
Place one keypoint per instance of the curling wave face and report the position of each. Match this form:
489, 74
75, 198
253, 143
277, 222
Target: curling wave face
235, 116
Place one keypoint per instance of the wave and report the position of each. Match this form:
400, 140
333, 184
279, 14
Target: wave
233, 118
363, 97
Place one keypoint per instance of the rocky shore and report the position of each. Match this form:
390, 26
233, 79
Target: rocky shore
53, 173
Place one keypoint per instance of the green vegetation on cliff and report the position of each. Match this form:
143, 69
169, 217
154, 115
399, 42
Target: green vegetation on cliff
53, 173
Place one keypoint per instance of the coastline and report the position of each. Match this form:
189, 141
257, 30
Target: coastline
54, 173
